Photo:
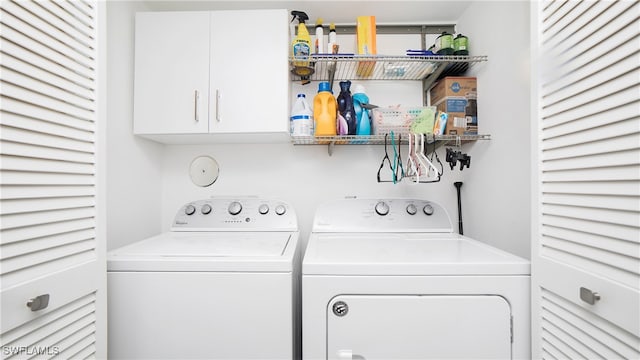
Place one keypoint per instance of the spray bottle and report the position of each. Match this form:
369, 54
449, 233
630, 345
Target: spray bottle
301, 45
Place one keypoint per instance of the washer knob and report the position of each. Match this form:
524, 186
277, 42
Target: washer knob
235, 208
280, 209
382, 208
190, 210
412, 209
428, 209
263, 209
206, 209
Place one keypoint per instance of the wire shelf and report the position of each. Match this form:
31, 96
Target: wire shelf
380, 67
378, 139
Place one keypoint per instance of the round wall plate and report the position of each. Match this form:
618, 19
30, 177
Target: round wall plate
204, 171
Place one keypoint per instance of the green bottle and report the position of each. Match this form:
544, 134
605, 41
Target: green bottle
461, 45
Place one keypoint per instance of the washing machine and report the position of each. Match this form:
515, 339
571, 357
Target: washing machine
222, 284
389, 279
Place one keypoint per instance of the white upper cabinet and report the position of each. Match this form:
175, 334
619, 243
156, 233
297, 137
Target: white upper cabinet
249, 71
212, 76
171, 73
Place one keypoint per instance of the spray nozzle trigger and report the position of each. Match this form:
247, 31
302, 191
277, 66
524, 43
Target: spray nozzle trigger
301, 15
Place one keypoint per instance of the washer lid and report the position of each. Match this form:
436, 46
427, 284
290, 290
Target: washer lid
406, 254
207, 251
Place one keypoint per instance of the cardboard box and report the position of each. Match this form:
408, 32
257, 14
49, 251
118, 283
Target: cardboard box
366, 43
457, 96
453, 86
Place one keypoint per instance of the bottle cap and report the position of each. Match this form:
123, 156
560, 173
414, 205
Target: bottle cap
358, 89
324, 86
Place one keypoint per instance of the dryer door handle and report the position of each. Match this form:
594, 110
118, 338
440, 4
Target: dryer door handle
345, 354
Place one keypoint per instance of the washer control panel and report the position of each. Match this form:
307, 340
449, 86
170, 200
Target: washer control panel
381, 215
242, 214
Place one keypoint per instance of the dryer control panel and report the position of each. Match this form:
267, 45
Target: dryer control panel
235, 214
382, 215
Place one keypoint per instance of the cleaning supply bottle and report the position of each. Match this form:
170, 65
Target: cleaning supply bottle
325, 109
301, 45
363, 120
301, 117
345, 106
332, 46
319, 37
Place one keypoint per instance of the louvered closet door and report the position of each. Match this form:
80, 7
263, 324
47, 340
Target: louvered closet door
48, 243
586, 236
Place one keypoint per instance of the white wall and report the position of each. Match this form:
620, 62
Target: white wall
133, 164
495, 191
496, 206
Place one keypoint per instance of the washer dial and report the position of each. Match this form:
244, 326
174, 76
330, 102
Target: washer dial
235, 208
428, 209
280, 209
382, 208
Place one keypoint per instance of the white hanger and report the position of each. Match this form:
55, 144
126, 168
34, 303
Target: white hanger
423, 158
412, 169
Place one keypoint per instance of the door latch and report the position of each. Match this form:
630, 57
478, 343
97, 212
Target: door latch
38, 302
589, 296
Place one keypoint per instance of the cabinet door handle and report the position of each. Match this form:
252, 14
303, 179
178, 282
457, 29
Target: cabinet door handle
196, 108
218, 105
588, 296
39, 302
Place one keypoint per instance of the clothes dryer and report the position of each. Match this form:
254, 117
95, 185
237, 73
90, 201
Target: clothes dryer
389, 279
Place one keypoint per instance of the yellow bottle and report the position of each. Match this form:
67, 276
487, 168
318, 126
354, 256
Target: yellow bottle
301, 46
325, 109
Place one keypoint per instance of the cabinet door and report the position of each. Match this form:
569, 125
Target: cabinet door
171, 73
586, 186
249, 71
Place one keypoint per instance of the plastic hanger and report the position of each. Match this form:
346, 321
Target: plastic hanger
386, 157
428, 165
412, 169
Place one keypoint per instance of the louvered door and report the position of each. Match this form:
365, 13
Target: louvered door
586, 233
49, 243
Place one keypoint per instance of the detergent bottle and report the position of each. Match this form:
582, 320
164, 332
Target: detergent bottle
301, 45
345, 106
363, 120
325, 109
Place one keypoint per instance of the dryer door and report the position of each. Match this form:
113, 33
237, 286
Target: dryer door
419, 327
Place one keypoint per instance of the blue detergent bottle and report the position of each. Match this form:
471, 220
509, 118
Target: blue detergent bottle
363, 125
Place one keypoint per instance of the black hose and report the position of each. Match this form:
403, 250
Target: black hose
458, 185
